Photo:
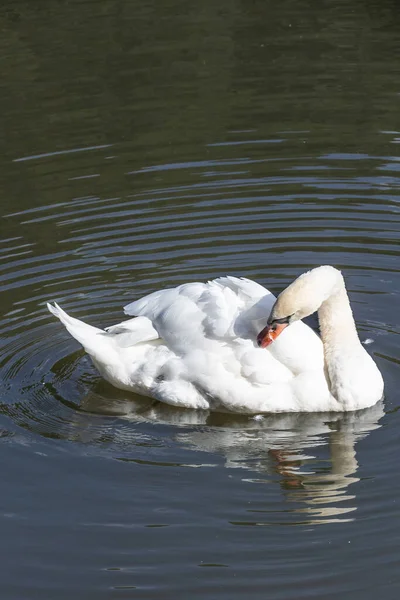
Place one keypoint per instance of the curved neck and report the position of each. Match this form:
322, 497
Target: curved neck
336, 321
355, 381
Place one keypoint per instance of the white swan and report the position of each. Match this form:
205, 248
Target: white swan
196, 346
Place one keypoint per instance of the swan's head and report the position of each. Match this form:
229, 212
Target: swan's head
301, 298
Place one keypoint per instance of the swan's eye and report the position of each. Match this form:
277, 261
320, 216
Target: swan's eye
284, 321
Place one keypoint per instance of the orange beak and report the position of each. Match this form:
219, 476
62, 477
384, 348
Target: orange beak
269, 334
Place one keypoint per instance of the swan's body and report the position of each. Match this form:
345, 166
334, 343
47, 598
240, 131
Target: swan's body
195, 346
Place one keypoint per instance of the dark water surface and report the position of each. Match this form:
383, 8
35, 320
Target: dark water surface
146, 144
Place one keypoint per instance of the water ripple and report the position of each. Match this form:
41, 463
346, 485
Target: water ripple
111, 249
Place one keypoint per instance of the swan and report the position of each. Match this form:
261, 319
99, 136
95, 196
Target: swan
229, 344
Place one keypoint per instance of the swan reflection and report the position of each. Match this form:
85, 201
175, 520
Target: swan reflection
311, 456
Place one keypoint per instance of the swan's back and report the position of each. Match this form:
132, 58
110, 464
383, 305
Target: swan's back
226, 307
195, 346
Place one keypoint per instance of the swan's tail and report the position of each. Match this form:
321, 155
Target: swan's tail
95, 341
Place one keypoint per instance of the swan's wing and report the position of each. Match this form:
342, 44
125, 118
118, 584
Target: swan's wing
210, 330
151, 305
133, 331
235, 307
225, 308
220, 321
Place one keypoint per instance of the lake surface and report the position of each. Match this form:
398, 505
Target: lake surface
150, 144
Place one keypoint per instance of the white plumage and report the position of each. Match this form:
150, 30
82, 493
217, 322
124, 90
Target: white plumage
195, 346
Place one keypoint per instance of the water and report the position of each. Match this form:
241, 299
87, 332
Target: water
145, 145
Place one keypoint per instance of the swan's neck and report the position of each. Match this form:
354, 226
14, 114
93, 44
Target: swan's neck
354, 379
336, 321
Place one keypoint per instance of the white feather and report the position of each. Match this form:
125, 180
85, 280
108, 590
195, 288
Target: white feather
195, 346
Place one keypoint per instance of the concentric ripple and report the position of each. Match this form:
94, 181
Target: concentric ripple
257, 214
